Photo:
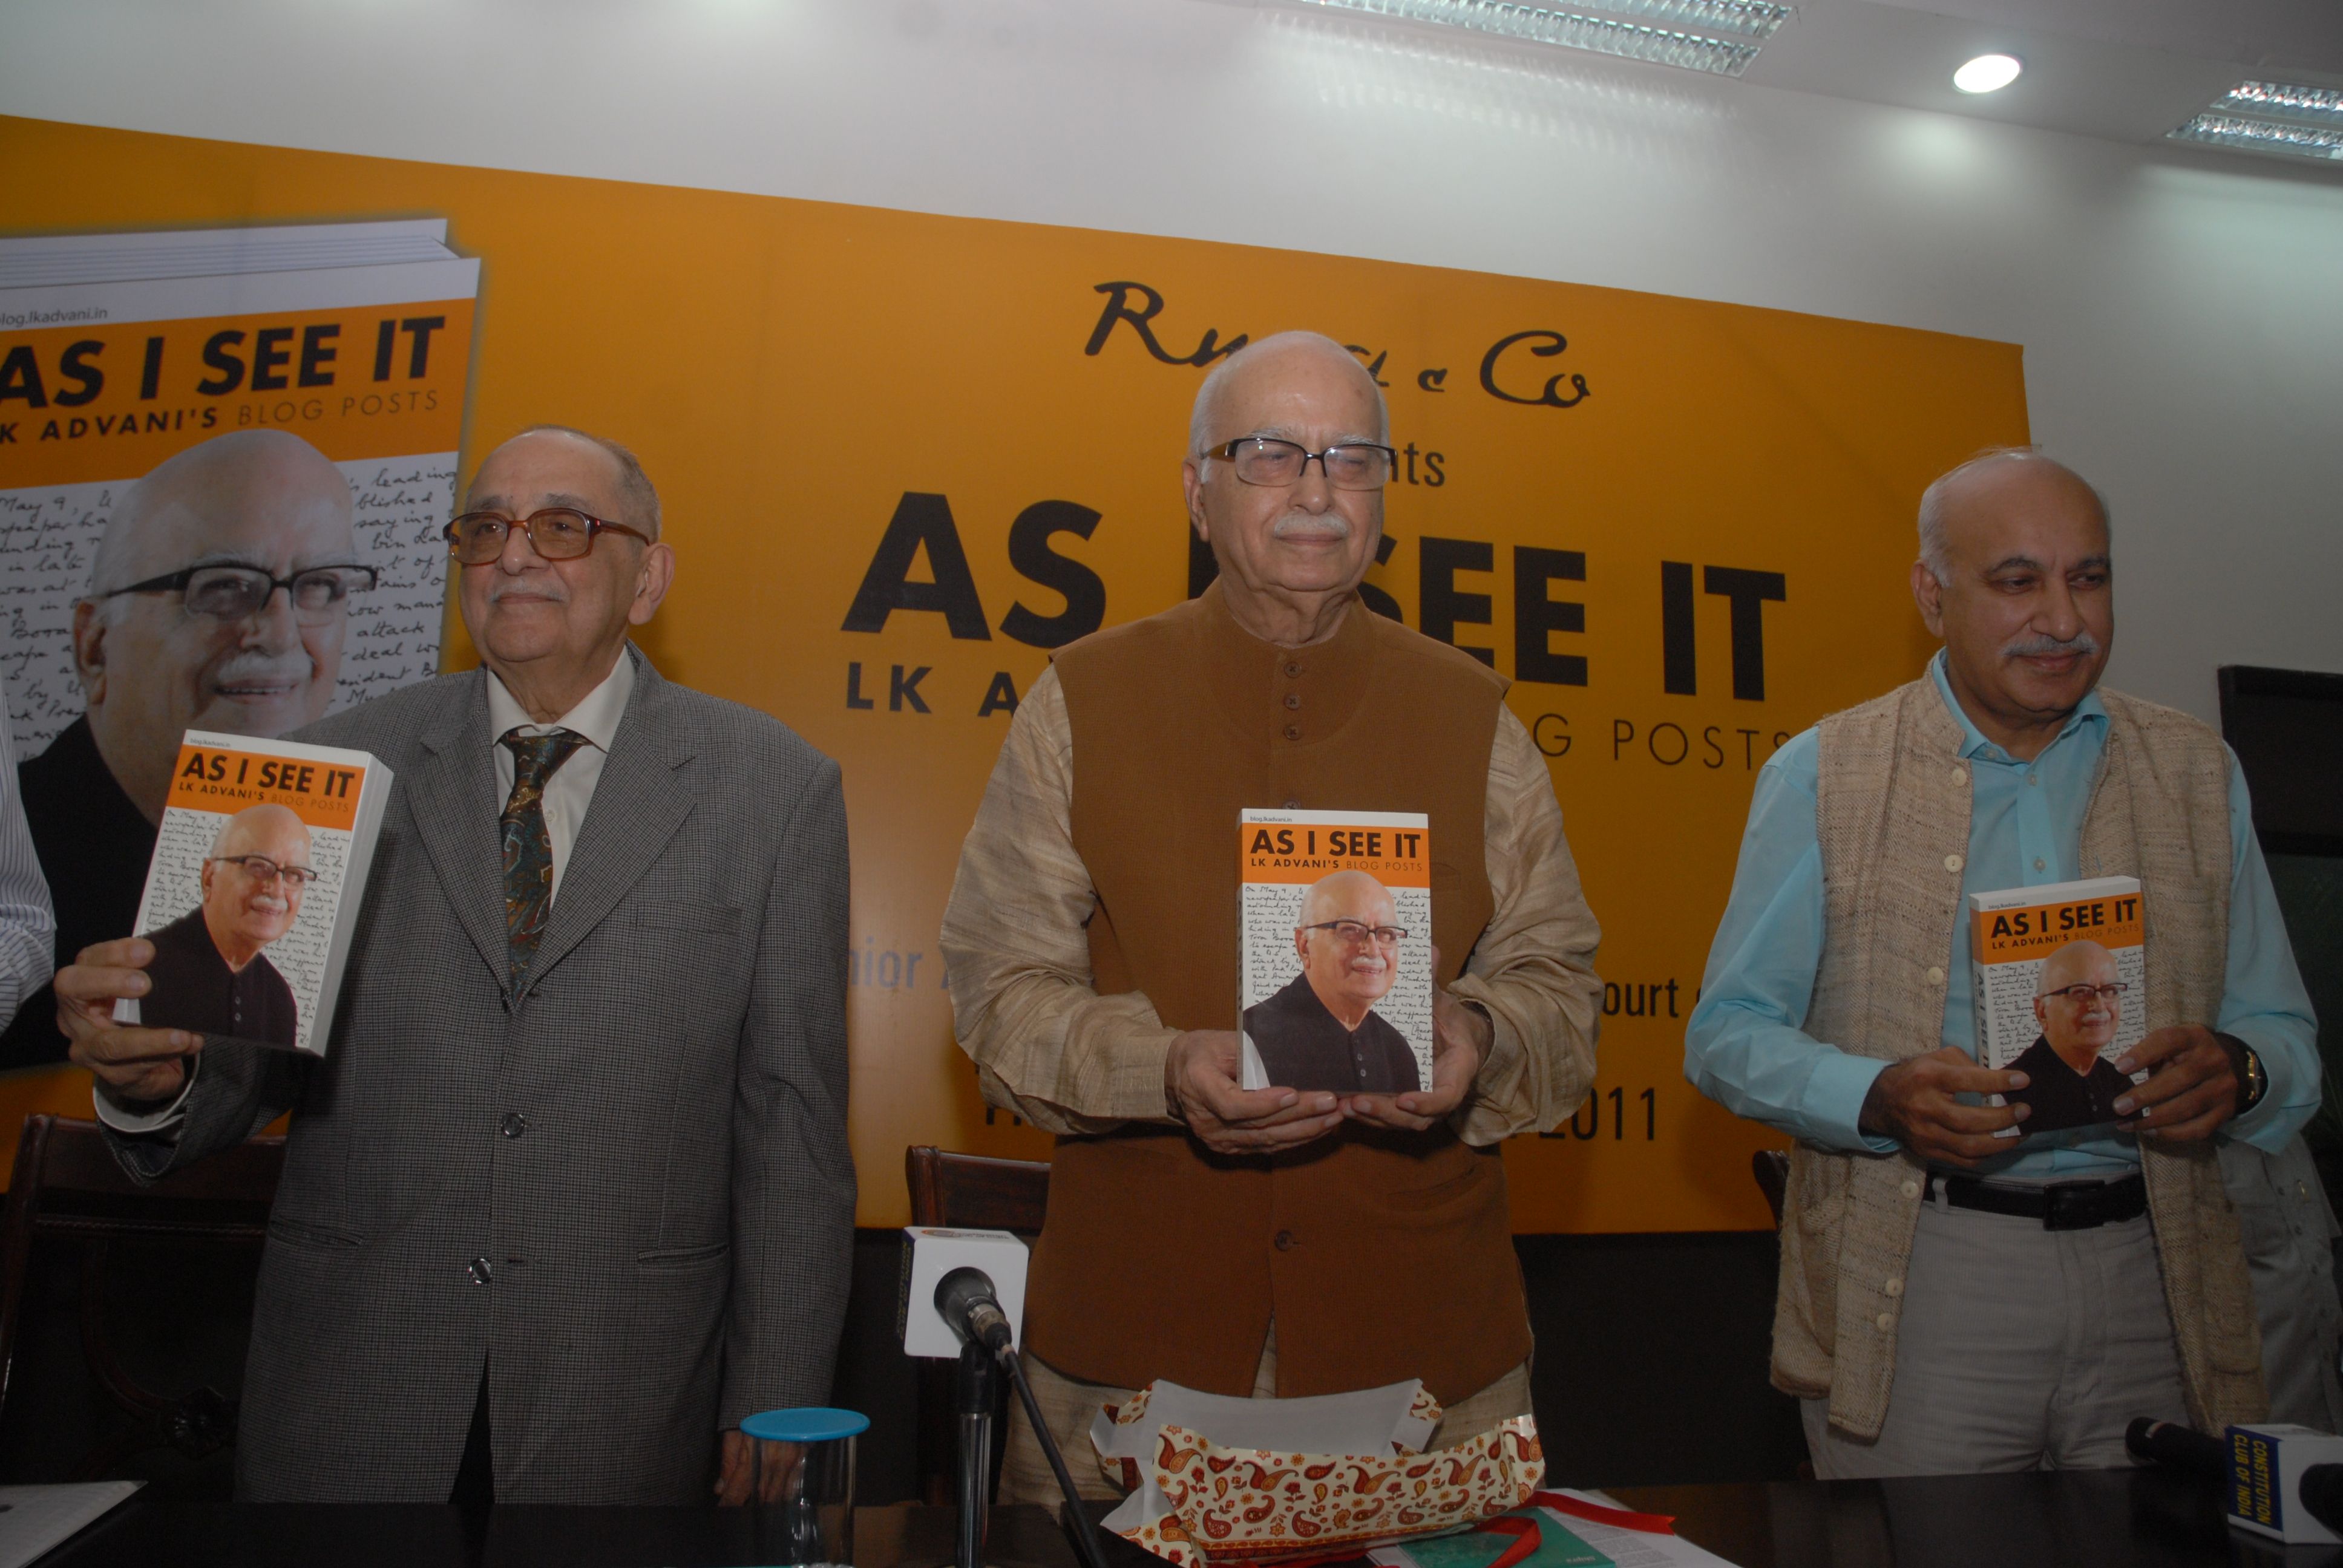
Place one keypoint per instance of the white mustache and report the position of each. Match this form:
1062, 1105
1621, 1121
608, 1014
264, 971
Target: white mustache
2039, 644
1369, 965
263, 670
534, 585
1306, 524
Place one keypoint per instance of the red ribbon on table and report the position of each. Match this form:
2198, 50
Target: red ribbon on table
1526, 1539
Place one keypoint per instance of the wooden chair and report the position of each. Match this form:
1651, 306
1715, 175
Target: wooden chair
978, 1194
1772, 1169
67, 1189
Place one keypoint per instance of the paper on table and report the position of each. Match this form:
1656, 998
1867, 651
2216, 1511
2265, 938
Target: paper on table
1367, 1421
32, 1519
1624, 1548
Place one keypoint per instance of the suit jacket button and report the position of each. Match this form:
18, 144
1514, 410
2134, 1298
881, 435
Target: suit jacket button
479, 1270
513, 1124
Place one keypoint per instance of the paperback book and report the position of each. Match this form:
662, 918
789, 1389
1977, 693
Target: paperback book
260, 864
1336, 911
2061, 993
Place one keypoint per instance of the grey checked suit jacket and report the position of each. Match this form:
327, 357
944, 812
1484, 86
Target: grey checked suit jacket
645, 1151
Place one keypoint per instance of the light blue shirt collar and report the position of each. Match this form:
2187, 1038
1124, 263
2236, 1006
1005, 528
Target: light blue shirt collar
1972, 741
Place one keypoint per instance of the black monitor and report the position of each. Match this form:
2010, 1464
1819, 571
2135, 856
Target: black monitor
2287, 727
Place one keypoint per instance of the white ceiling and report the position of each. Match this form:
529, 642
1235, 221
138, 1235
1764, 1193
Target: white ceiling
2129, 70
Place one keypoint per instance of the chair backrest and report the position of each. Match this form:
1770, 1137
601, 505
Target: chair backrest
1772, 1169
978, 1194
68, 1187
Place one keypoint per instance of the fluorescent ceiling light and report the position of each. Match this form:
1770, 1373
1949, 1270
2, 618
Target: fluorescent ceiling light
2279, 100
1988, 73
2242, 136
2287, 119
1720, 36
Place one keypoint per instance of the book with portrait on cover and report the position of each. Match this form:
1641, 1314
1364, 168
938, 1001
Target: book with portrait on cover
1336, 934
2060, 988
260, 863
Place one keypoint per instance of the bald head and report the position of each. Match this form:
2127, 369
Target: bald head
2073, 1014
1268, 359
1351, 967
253, 881
237, 498
156, 663
1989, 481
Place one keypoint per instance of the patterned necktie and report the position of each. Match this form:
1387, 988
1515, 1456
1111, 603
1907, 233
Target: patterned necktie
529, 847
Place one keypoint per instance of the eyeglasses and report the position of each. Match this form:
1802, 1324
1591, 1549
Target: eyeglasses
1357, 932
2079, 994
261, 869
1266, 461
239, 593
555, 533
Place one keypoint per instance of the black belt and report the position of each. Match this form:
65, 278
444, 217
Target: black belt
2059, 1205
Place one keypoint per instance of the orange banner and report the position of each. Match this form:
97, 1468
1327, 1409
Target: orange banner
904, 457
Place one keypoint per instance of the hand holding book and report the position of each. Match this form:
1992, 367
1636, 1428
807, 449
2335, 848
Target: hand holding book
1462, 1035
1913, 1103
133, 1065
1201, 1088
2194, 1083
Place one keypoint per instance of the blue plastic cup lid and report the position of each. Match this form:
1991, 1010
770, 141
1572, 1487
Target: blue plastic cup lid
814, 1423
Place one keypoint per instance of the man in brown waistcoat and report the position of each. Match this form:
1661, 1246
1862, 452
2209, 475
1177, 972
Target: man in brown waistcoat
1951, 1300
1273, 1242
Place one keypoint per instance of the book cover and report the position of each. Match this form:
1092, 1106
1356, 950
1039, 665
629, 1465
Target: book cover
1336, 936
260, 864
2061, 991
283, 403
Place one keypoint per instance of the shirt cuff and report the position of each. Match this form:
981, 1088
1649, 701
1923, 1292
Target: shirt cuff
134, 1124
1834, 1103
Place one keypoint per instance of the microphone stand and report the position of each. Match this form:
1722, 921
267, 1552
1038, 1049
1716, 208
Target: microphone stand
1077, 1517
975, 1387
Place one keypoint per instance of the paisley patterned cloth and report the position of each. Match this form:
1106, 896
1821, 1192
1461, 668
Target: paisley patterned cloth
527, 847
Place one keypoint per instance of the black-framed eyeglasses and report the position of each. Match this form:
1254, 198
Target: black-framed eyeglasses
227, 593
261, 869
1358, 932
556, 533
2079, 994
1266, 461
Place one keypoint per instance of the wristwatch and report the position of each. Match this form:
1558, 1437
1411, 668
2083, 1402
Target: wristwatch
2252, 1081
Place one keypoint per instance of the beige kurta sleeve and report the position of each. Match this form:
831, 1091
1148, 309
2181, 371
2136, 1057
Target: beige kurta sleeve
1046, 1046
1533, 968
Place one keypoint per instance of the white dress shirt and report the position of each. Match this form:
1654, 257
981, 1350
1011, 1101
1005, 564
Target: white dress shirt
567, 794
571, 788
28, 927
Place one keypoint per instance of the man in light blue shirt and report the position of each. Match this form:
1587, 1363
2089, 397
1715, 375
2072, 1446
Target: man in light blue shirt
2010, 1301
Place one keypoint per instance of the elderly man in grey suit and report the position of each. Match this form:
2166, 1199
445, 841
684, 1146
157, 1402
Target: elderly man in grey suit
570, 1193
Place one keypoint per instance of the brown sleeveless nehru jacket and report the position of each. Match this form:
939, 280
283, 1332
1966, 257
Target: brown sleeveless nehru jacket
1382, 1256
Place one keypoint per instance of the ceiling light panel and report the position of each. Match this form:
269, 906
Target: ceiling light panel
1988, 73
1719, 37
2285, 119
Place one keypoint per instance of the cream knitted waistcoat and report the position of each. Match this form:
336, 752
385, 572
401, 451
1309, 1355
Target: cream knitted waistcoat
1893, 818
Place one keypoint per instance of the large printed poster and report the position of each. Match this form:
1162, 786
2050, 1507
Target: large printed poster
903, 456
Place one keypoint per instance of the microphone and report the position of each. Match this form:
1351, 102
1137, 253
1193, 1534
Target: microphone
2286, 1482
2321, 1491
2177, 1447
972, 1309
930, 1323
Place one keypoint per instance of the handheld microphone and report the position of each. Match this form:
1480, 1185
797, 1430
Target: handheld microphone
972, 1310
2177, 1447
2321, 1492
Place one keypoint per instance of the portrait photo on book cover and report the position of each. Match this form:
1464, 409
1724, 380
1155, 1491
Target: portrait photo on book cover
1321, 1032
211, 974
2078, 1001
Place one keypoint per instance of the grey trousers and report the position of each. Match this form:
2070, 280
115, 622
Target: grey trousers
2289, 1233
2019, 1349
1068, 1404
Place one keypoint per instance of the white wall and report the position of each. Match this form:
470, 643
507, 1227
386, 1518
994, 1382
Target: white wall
2182, 313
